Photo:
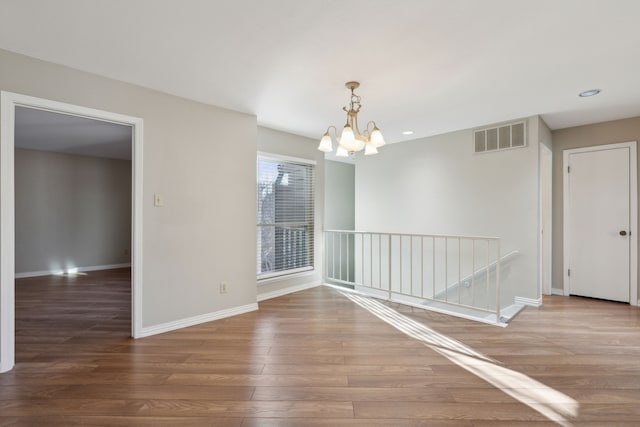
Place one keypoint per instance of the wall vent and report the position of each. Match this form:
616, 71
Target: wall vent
502, 137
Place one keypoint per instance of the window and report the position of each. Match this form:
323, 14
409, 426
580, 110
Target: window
285, 216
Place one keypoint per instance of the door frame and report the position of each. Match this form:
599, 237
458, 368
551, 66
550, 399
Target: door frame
8, 103
546, 230
633, 214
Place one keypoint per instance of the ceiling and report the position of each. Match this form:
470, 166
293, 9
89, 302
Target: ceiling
63, 133
431, 66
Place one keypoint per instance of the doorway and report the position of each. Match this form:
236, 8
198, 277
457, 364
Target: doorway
72, 185
9, 103
600, 219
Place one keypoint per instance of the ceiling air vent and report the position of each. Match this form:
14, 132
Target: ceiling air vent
503, 137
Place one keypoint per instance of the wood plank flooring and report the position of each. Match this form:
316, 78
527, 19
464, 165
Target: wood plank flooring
312, 358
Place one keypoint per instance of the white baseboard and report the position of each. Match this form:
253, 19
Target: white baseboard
196, 320
556, 291
78, 269
532, 302
288, 290
33, 274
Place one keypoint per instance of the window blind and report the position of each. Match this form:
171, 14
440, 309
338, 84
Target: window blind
285, 214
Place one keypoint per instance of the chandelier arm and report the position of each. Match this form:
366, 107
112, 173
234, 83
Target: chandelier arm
335, 131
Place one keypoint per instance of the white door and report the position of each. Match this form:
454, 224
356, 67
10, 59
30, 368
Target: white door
599, 209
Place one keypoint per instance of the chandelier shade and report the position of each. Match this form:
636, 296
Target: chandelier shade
326, 144
370, 149
351, 140
376, 138
342, 152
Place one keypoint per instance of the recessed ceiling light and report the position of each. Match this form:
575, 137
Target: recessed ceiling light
407, 132
590, 92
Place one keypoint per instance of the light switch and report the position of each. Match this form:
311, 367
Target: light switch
158, 200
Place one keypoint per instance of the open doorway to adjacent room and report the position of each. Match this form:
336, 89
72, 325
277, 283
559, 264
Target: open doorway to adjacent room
71, 190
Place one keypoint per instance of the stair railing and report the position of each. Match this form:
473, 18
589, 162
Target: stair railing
454, 270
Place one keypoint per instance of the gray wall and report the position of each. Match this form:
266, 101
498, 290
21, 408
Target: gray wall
340, 193
285, 144
581, 136
202, 159
71, 211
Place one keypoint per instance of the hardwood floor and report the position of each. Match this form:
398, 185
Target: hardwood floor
314, 358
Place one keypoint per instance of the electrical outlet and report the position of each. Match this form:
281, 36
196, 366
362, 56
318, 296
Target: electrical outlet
158, 200
224, 287
126, 252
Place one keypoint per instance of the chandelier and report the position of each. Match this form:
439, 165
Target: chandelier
351, 140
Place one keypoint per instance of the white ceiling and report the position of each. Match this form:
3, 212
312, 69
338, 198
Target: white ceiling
431, 66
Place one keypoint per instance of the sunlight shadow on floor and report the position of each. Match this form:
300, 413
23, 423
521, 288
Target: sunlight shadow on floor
549, 402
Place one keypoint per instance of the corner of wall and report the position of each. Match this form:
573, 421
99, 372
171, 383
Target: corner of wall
544, 133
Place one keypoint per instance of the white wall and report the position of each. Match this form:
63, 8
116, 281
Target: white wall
71, 211
438, 185
202, 159
285, 144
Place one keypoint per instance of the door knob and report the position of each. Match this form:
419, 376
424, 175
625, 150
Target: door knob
623, 233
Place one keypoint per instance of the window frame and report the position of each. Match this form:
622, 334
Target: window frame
275, 275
